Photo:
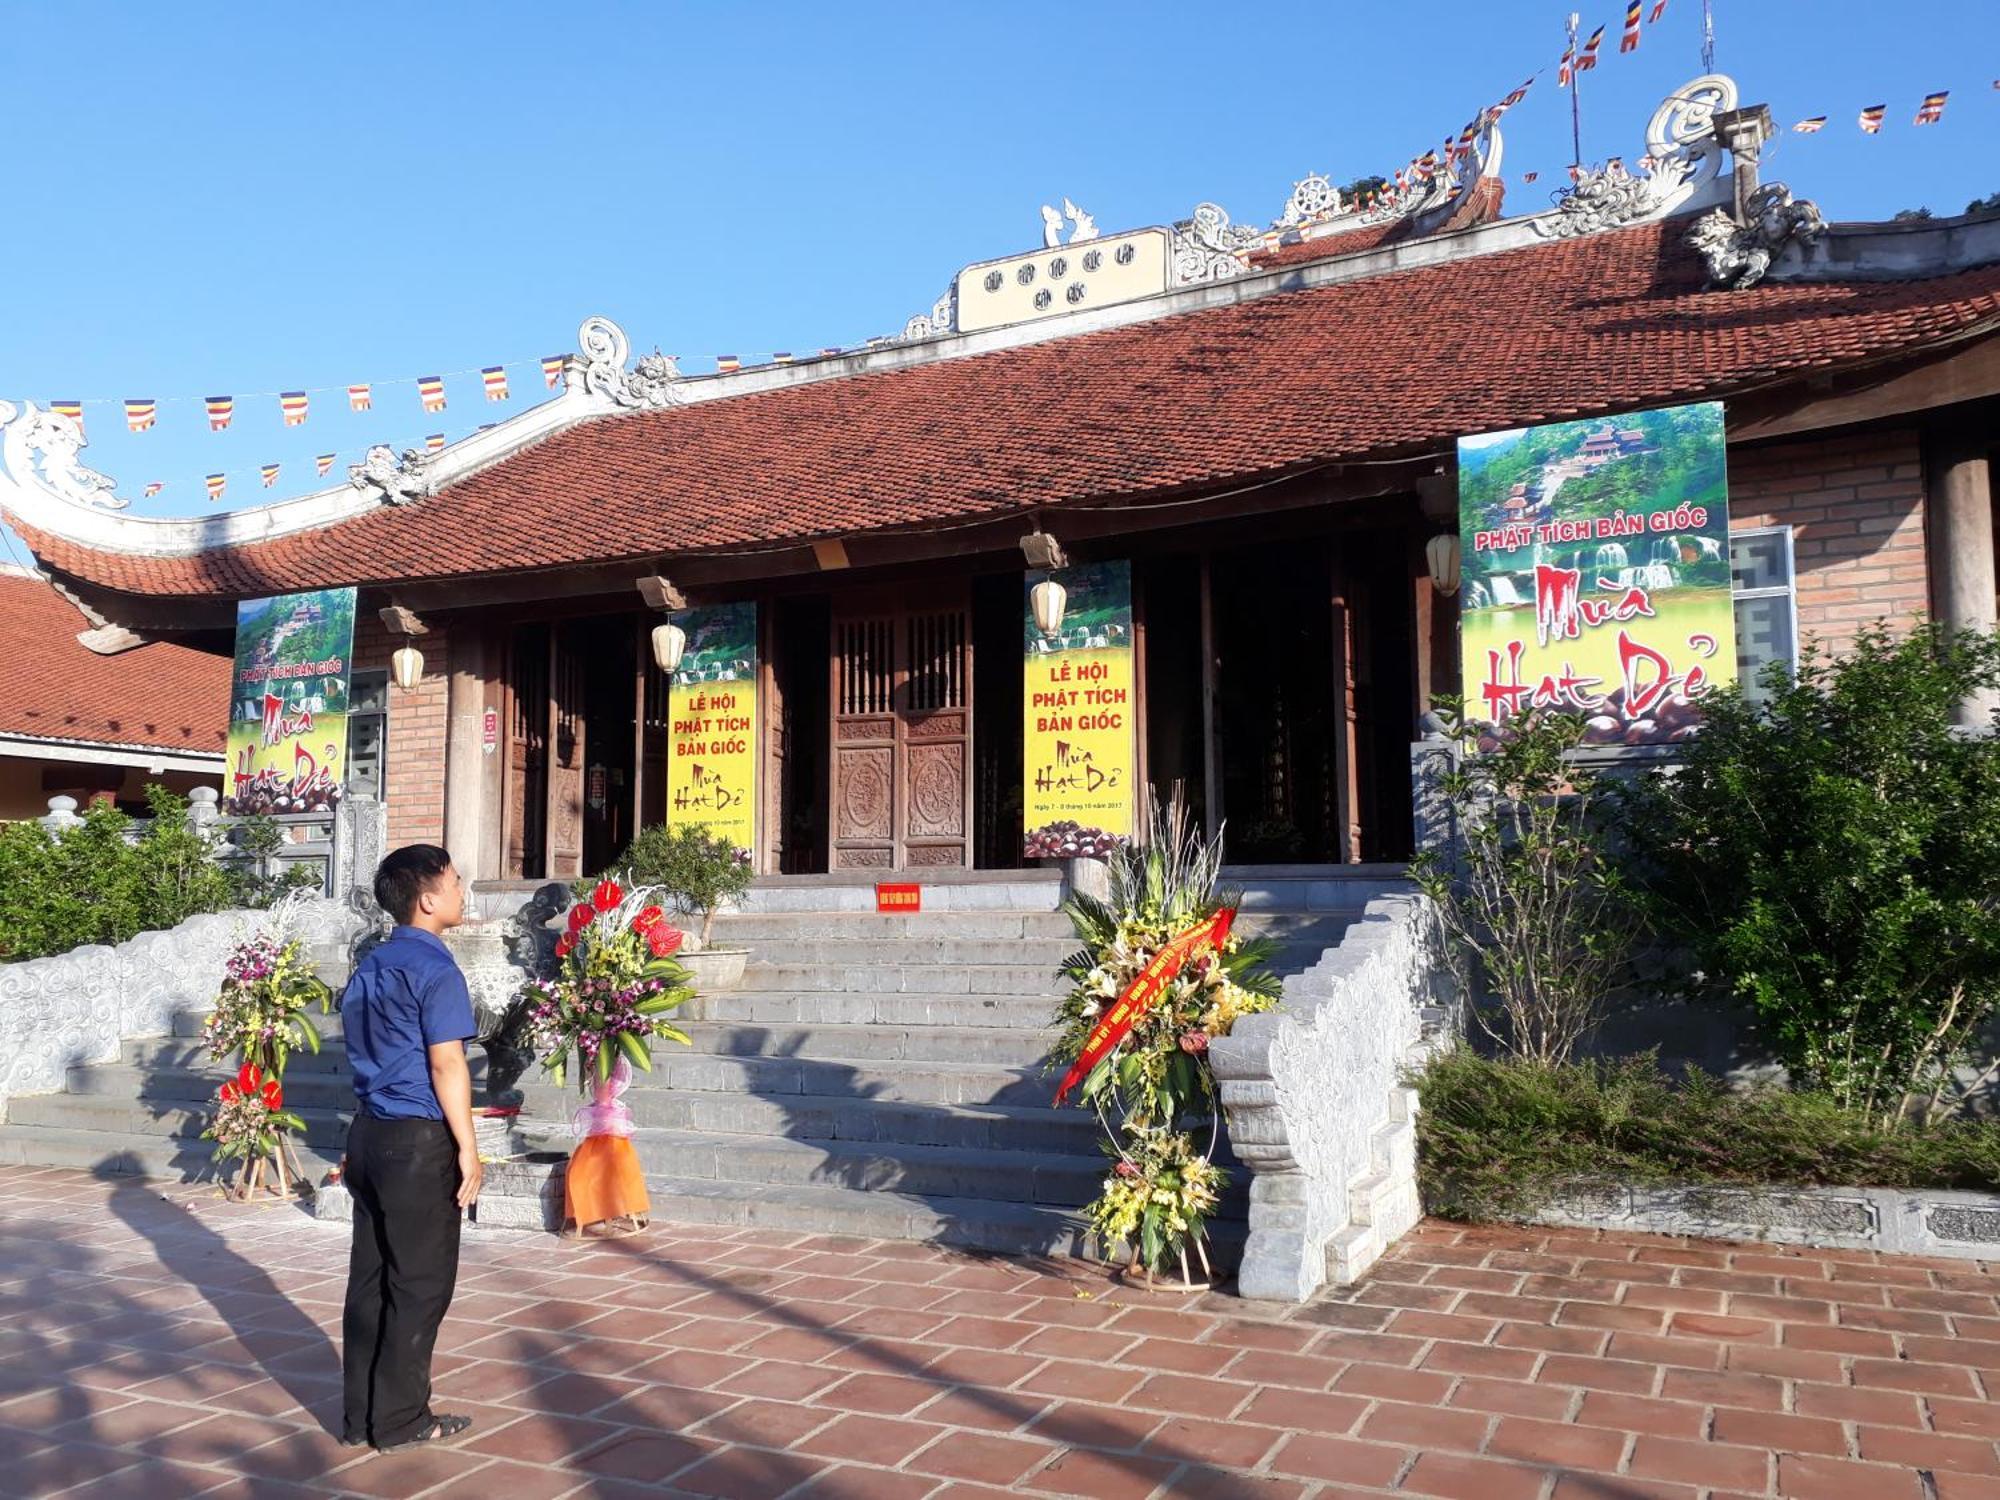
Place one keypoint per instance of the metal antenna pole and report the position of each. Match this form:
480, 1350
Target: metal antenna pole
1707, 37
1575, 94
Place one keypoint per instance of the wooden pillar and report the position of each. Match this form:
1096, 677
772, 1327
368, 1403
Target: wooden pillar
643, 658
1211, 743
1959, 497
473, 774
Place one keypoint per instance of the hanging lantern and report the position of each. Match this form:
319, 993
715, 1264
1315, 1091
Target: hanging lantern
669, 643
1049, 599
1442, 554
406, 665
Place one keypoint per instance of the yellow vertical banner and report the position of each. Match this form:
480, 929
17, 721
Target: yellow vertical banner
712, 735
1080, 712
288, 703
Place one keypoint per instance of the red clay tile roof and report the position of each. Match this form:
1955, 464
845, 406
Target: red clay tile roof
1399, 363
161, 696
1347, 242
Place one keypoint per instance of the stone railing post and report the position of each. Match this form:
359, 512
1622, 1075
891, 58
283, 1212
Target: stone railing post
61, 814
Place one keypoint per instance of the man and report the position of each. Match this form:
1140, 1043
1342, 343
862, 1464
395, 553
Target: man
411, 1159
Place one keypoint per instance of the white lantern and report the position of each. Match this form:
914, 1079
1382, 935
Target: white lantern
669, 643
406, 665
1049, 599
1442, 554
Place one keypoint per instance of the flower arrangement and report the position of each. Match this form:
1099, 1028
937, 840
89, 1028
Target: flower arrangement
260, 1014
1152, 942
615, 982
250, 1113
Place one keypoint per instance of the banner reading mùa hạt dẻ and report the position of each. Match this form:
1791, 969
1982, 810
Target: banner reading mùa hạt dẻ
1079, 752
288, 702
1595, 571
712, 730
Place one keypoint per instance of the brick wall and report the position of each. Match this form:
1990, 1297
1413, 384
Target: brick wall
1856, 506
415, 793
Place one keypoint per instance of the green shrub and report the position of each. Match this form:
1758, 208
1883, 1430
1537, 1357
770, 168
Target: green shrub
1532, 911
95, 883
697, 870
1831, 857
1496, 1138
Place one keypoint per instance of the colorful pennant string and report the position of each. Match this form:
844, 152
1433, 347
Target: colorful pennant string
430, 390
494, 377
294, 405
217, 483
324, 464
141, 414
360, 398
220, 410
270, 473
552, 368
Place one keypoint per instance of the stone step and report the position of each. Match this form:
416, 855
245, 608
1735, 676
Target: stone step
1042, 955
833, 1008
188, 1023
164, 1157
166, 1117
982, 890
833, 1117
750, 928
1004, 1046
877, 1167
895, 977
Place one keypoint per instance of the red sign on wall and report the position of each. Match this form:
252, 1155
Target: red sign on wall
899, 898
489, 731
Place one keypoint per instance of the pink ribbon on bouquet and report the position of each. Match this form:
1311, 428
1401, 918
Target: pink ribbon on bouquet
606, 1114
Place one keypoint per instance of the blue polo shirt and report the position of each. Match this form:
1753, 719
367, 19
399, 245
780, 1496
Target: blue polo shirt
404, 997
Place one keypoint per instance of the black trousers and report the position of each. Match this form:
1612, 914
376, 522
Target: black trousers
403, 1178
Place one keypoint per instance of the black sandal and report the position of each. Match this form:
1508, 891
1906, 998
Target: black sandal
435, 1430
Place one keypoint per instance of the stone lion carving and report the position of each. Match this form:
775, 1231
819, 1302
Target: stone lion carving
398, 481
1600, 200
1739, 255
42, 447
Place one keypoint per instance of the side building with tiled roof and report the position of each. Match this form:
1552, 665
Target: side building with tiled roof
77, 723
1261, 423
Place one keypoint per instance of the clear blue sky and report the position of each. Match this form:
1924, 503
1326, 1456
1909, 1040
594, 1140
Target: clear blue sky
239, 198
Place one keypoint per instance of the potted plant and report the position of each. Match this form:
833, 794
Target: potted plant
697, 872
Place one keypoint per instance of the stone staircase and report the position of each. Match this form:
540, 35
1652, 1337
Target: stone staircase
878, 1075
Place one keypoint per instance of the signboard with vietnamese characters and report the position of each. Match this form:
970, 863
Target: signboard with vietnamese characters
712, 734
288, 702
1080, 745
1595, 575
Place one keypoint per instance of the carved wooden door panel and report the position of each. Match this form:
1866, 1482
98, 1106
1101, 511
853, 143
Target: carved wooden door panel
527, 753
566, 754
902, 735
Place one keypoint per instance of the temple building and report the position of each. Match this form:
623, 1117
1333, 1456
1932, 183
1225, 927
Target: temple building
1258, 422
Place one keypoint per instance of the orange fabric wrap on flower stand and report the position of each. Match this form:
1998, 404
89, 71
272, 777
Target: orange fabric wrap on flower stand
604, 1181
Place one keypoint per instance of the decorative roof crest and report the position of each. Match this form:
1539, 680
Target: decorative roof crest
1738, 255
1207, 247
395, 481
1314, 197
650, 384
39, 450
1682, 156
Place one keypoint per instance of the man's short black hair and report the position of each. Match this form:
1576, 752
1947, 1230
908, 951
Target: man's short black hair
406, 875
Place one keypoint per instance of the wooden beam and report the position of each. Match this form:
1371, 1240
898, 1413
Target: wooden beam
1970, 372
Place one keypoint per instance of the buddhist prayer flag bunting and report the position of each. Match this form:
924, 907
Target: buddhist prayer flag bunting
495, 378
434, 442
727, 362
360, 398
1932, 109
217, 483
1811, 127
293, 404
781, 356
1629, 42
71, 409
153, 489
1566, 69
220, 410
139, 415
1588, 57
829, 350
324, 463
1512, 99
1871, 118
1529, 176
552, 368
431, 389
270, 473
1659, 9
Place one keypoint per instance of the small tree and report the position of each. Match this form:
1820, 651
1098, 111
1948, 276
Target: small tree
697, 869
1530, 905
1831, 856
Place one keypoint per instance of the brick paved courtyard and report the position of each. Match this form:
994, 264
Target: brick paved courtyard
158, 1346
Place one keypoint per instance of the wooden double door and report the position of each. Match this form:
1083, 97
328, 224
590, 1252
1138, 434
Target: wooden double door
901, 729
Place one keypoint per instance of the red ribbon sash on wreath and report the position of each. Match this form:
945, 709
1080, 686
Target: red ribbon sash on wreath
1205, 936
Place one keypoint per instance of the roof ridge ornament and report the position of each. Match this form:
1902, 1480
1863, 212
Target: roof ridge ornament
1207, 247
39, 450
652, 383
1738, 255
1314, 197
396, 481
1683, 156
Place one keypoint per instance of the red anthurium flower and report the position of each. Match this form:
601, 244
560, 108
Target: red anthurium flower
251, 1080
664, 940
580, 916
607, 895
230, 1093
648, 919
564, 944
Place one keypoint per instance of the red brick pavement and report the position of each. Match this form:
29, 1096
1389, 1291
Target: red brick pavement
158, 1344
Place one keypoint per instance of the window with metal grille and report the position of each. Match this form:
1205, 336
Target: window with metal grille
1767, 615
